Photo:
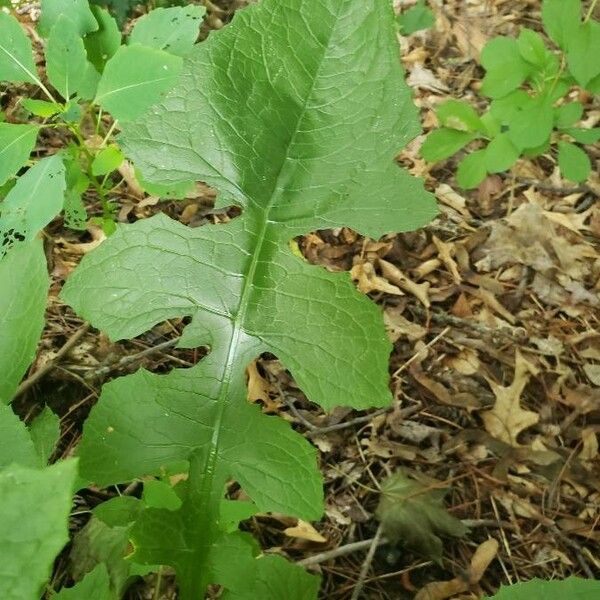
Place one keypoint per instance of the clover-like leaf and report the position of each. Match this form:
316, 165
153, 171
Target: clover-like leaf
294, 112
414, 514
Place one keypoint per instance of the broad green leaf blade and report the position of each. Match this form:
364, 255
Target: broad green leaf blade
17, 447
572, 588
16, 144
174, 29
505, 68
94, 586
275, 578
301, 137
16, 54
45, 431
414, 514
105, 41
472, 170
23, 292
561, 20
33, 202
501, 154
134, 79
66, 58
583, 53
457, 114
443, 143
574, 163
177, 415
38, 501
77, 10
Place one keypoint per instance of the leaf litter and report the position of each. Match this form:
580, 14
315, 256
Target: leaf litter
493, 312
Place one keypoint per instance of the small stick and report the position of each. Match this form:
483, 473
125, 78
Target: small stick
66, 348
131, 358
367, 563
339, 551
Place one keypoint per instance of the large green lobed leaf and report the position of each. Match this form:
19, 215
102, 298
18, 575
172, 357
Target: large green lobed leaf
294, 112
35, 506
572, 588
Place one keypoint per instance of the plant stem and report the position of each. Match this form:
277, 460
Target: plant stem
156, 594
108, 133
590, 11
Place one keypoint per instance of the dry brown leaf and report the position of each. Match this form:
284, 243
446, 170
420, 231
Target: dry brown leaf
259, 388
368, 281
304, 531
446, 253
398, 326
441, 590
507, 419
395, 275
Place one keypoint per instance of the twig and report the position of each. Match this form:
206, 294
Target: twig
125, 360
416, 355
329, 428
340, 551
66, 348
367, 563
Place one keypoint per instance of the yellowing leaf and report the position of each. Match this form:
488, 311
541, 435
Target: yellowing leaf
305, 531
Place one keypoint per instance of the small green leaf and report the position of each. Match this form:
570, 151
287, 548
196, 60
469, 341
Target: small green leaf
159, 494
235, 511
414, 514
17, 447
537, 150
561, 19
574, 163
457, 114
472, 170
45, 431
41, 108
75, 212
35, 506
105, 41
507, 108
23, 293
77, 10
532, 48
34, 201
416, 18
65, 57
501, 154
16, 54
584, 136
134, 79
567, 114
491, 124
505, 69
583, 53
572, 588
442, 143
174, 29
94, 586
531, 126
107, 160
16, 144
175, 191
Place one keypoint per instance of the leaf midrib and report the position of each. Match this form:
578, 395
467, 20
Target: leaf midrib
247, 288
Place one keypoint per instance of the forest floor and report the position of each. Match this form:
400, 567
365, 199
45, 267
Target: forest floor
494, 314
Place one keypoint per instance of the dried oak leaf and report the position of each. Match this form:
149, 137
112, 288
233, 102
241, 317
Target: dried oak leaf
414, 513
507, 419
